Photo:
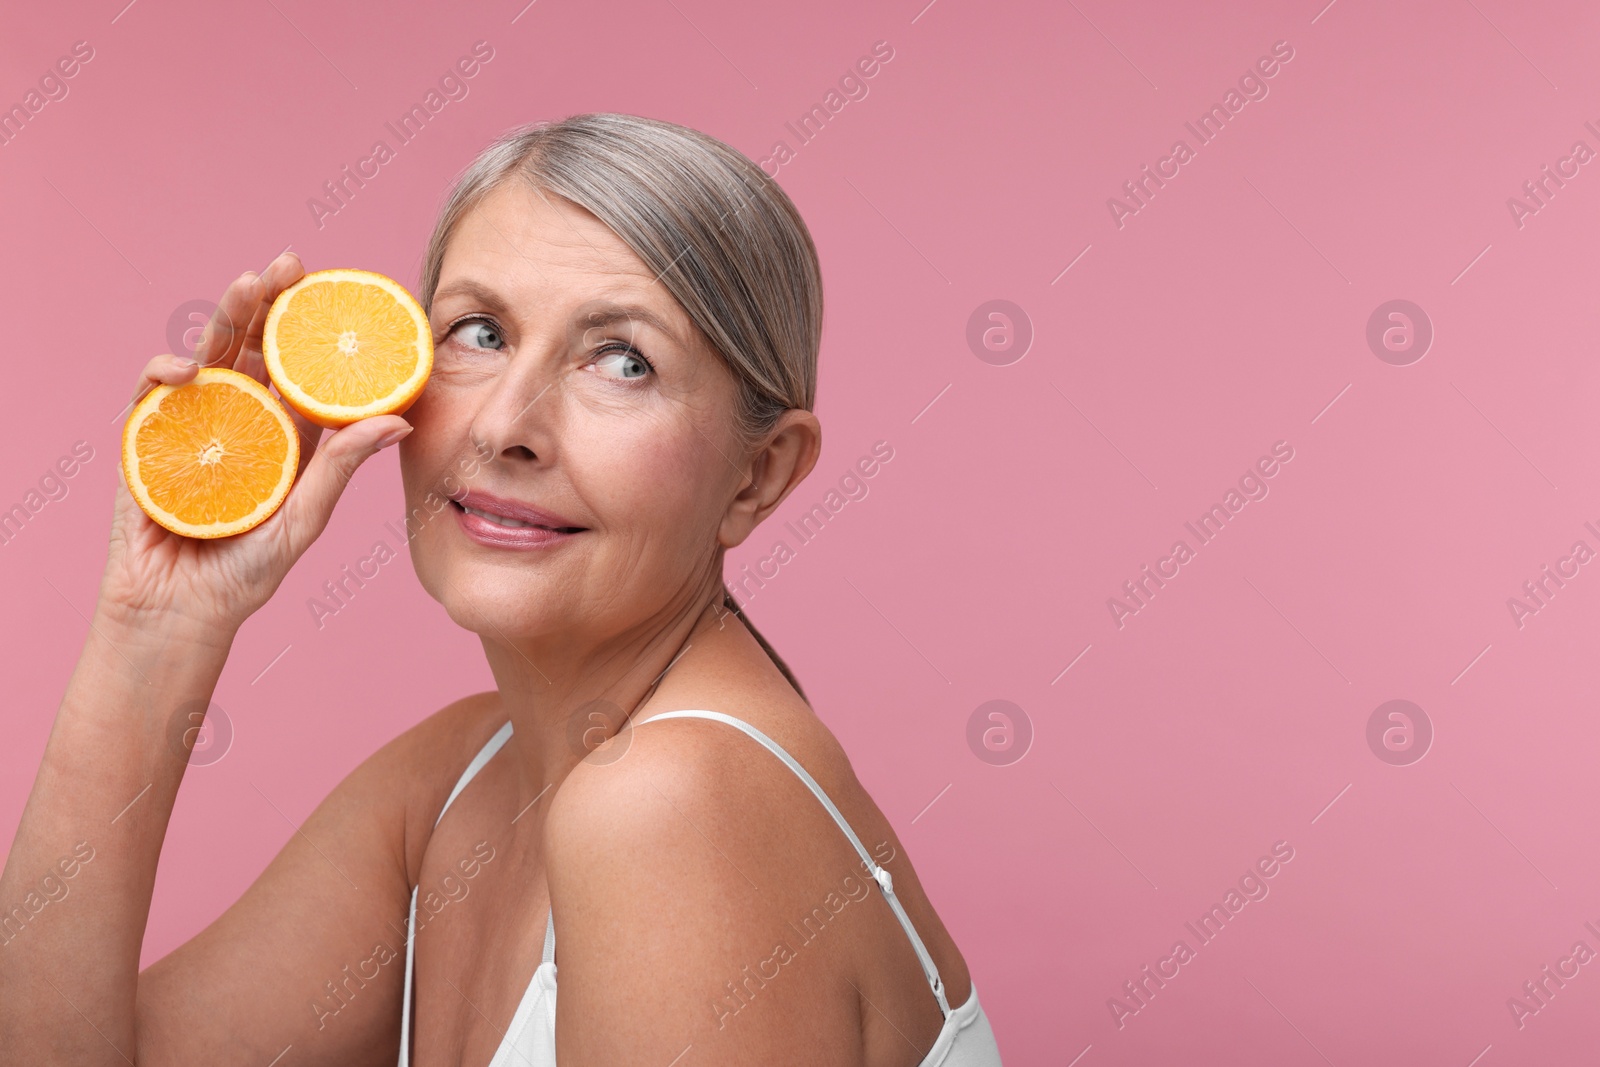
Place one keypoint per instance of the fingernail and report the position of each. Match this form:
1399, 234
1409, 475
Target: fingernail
185, 362
392, 436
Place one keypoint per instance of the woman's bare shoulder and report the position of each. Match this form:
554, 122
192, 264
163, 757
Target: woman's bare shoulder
687, 842
666, 799
704, 853
659, 777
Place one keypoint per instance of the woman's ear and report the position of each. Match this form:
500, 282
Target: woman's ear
783, 460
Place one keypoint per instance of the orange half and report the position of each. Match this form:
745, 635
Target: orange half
212, 457
343, 345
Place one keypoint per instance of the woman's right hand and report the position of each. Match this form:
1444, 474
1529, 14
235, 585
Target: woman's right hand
152, 572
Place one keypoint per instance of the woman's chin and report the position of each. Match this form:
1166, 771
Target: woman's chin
489, 605
503, 630
499, 621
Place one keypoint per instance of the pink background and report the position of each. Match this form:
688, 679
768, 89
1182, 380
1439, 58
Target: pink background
1229, 714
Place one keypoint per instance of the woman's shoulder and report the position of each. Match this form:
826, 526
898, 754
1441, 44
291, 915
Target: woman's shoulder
686, 841
680, 810
660, 779
711, 764
703, 851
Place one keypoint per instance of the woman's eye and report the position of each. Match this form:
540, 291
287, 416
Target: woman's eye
477, 333
625, 360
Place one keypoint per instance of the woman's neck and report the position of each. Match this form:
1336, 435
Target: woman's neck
567, 696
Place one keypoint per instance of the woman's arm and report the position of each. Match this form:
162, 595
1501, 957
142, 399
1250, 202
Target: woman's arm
77, 882
311, 957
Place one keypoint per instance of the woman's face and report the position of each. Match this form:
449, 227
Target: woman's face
565, 378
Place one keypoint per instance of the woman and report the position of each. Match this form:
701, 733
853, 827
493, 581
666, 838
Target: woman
627, 315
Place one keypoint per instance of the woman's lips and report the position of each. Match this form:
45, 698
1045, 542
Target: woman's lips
516, 510
487, 531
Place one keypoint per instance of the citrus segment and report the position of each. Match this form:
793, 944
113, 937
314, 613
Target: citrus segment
343, 345
212, 457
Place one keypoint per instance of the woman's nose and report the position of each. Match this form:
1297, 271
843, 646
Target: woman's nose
518, 413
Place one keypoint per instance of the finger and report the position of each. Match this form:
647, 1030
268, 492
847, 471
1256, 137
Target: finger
164, 369
224, 334
279, 275
282, 273
310, 438
311, 501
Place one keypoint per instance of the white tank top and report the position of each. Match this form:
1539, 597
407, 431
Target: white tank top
966, 1040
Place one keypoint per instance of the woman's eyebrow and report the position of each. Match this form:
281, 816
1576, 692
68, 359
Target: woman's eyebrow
477, 291
610, 314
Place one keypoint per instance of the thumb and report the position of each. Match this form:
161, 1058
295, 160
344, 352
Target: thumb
311, 501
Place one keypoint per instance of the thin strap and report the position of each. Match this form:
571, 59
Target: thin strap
879, 874
405, 1004
549, 955
490, 747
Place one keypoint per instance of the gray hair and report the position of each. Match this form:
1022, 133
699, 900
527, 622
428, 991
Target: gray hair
716, 230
